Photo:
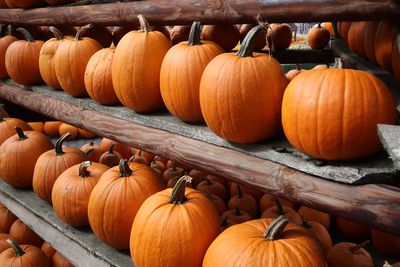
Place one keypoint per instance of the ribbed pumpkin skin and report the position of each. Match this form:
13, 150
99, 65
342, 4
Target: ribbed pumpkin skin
321, 234
22, 61
396, 60
7, 218
225, 35
332, 113
70, 195
318, 37
98, 79
48, 250
369, 39
123, 149
18, 158
161, 230
355, 37
136, 70
244, 245
70, 62
115, 200
21, 233
47, 63
343, 29
33, 257
180, 76
5, 42
384, 39
231, 88
7, 127
341, 255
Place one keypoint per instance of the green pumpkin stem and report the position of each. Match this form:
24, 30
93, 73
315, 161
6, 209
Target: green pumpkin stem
144, 24
21, 135
57, 34
82, 31
28, 37
83, 169
194, 34
124, 169
249, 42
279, 208
59, 143
274, 231
356, 249
240, 193
16, 247
178, 192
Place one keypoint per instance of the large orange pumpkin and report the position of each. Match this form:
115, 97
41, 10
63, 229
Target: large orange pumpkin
337, 116
117, 197
51, 164
7, 218
7, 127
181, 72
355, 37
232, 86
170, 221
22, 59
21, 233
136, 68
347, 254
71, 191
264, 242
70, 62
23, 256
5, 42
225, 35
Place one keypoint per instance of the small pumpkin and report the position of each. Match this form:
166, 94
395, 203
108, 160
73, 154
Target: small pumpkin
261, 38
7, 127
245, 202
21, 233
352, 230
309, 214
318, 37
37, 126
213, 187
267, 201
58, 260
279, 36
396, 58
236, 216
294, 72
254, 192
48, 250
384, 38
5, 42
68, 128
121, 148
92, 151
346, 254
7, 218
23, 256
172, 173
279, 209
386, 244
86, 134
218, 203
110, 158
320, 233
197, 176
51, 128
146, 155
227, 36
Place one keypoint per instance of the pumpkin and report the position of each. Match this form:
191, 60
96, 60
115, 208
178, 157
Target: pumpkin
355, 37
68, 128
51, 128
51, 164
279, 209
254, 192
279, 36
121, 148
148, 157
178, 212
136, 68
264, 242
343, 29
116, 198
233, 84
261, 38
18, 156
386, 244
22, 59
172, 173
267, 201
197, 176
213, 187
48, 249
346, 254
318, 37
368, 39
92, 151
5, 42
181, 72
179, 33
309, 214
58, 260
138, 158
70, 62
321, 66
158, 166
218, 203
21, 233
120, 32
36, 126
344, 127
3, 242
396, 58
86, 134
226, 36
98, 80
320, 233
384, 39
101, 34
110, 158
7, 218
329, 27
7, 127
236, 216
294, 72
23, 256
71, 191
352, 230
245, 202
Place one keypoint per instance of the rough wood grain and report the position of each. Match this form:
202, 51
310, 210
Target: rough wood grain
375, 205
390, 138
165, 12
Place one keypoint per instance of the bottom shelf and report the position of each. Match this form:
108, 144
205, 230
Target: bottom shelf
80, 246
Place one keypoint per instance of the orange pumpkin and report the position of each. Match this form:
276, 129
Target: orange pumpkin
279, 209
320, 233
3, 242
70, 62
172, 173
164, 216
92, 151
18, 156
117, 197
5, 42
22, 59
77, 182
7, 127
355, 37
294, 72
227, 36
249, 243
51, 128
218, 203
179, 33
329, 27
121, 148
309, 214
110, 158
267, 201
279, 36
136, 68
68, 128
233, 84
384, 38
23, 256
7, 218
36, 126
181, 72
387, 244
48, 250
213, 187
243, 201
51, 164
318, 37
369, 39
254, 192
21, 233
59, 260
236, 216
86, 134
148, 157
352, 230
120, 32
347, 254
25, 3
344, 127
261, 39
343, 29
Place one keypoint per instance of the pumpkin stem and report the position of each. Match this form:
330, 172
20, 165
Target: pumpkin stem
249, 42
240, 193
21, 135
298, 67
356, 249
28, 37
224, 221
279, 208
89, 151
15, 246
194, 34
237, 212
83, 171
208, 181
59, 143
178, 192
144, 24
82, 31
275, 230
306, 225
338, 63
319, 25
111, 149
124, 168
59, 36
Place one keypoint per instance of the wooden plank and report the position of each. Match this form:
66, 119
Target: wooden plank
390, 138
165, 12
374, 205
80, 246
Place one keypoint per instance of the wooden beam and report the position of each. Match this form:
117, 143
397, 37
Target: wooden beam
165, 12
375, 205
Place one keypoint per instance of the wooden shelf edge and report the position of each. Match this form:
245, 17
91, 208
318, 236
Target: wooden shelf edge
165, 12
375, 205
81, 247
390, 138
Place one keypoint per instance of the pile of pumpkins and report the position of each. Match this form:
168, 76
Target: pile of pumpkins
171, 215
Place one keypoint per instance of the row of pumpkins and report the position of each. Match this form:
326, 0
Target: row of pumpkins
127, 206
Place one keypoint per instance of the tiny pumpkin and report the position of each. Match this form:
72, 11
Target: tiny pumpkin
245, 202
110, 158
68, 128
309, 214
51, 128
92, 151
236, 216
121, 148
318, 37
227, 36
